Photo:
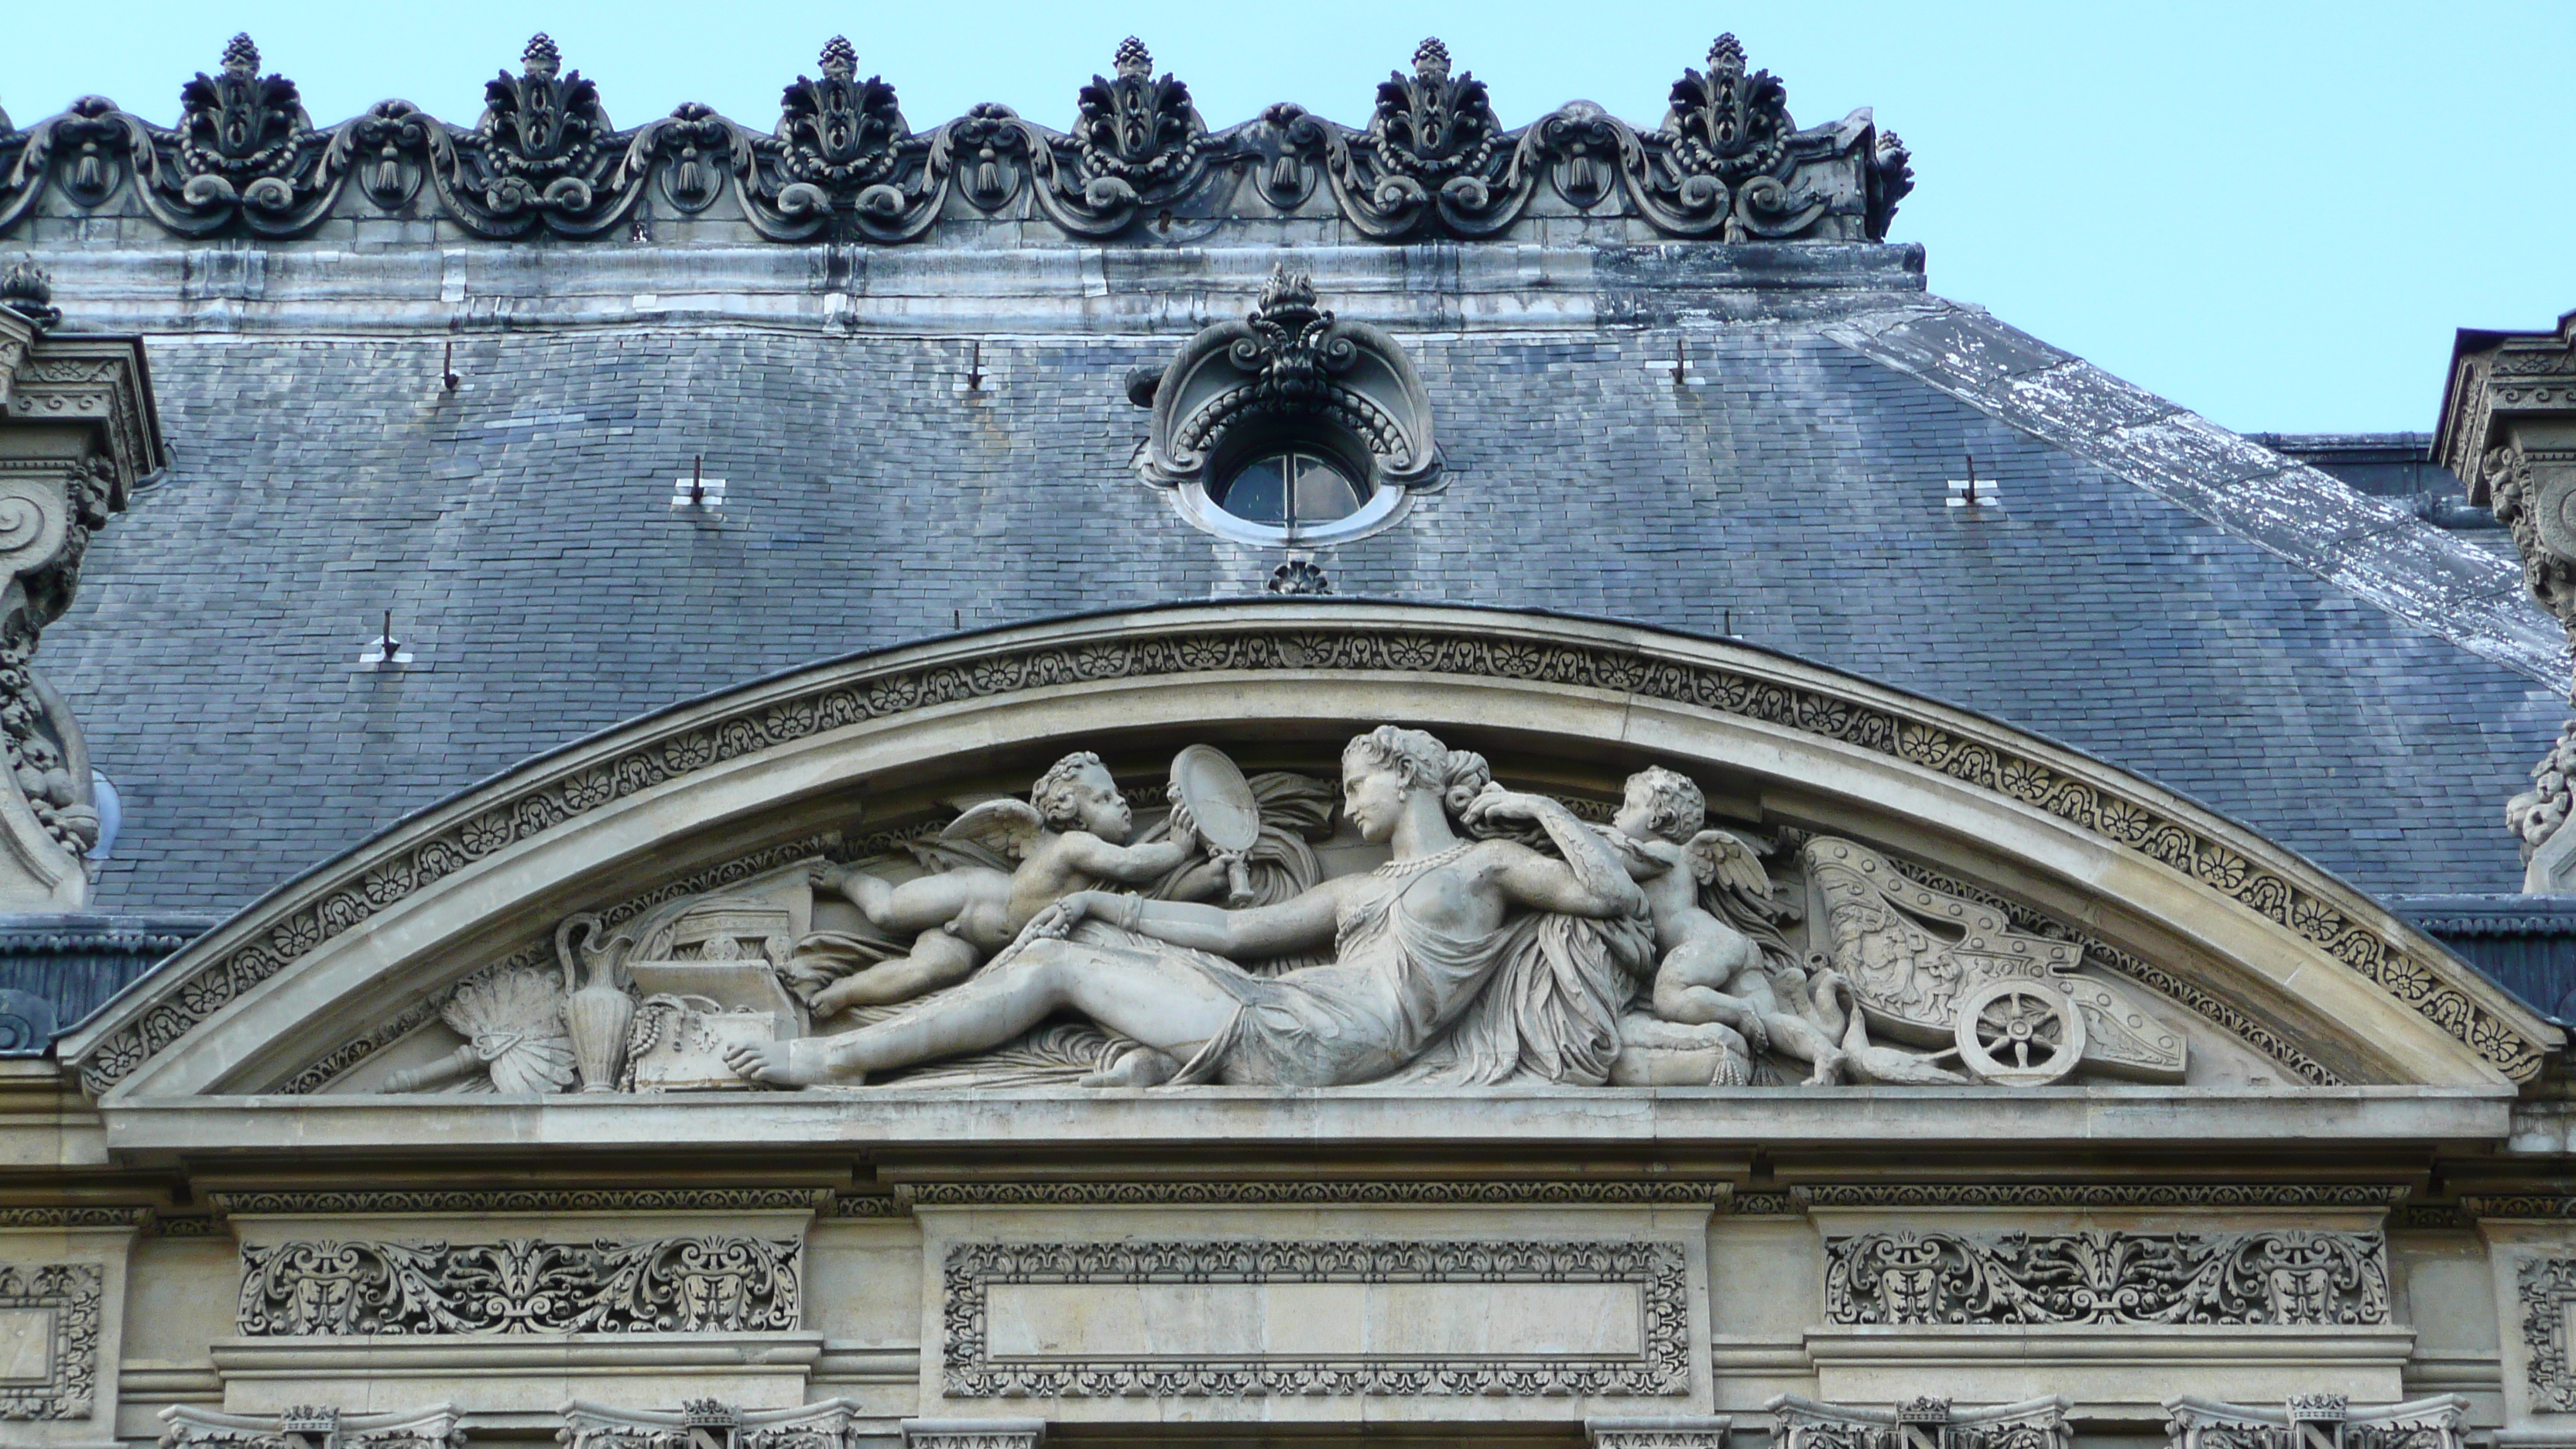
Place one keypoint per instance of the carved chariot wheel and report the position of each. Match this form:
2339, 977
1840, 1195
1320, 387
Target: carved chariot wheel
2019, 1034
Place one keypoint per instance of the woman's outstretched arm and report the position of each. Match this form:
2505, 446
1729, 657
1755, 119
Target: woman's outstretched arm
1590, 881
1292, 925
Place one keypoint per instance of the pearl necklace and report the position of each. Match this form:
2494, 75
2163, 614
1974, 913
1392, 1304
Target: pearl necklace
1427, 862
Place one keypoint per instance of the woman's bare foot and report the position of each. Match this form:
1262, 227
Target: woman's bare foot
776, 1064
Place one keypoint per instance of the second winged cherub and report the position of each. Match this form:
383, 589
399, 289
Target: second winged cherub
1711, 971
1071, 835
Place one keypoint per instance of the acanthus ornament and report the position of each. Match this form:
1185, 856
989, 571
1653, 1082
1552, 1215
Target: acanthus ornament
244, 149
829, 1424
700, 1284
543, 155
2276, 1278
842, 160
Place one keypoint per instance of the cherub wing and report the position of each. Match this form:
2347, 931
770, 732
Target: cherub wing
1723, 862
1006, 827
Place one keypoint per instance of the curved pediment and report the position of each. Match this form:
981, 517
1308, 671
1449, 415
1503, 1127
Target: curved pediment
1890, 868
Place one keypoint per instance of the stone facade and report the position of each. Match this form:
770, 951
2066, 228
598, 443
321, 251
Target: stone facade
1268, 977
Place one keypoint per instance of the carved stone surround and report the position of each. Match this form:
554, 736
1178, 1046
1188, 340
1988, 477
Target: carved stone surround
62, 1301
2546, 1289
975, 1366
842, 165
2274, 1278
228, 964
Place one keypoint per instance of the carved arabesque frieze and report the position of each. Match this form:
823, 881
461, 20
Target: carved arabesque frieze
2276, 1277
1922, 1423
70, 1295
336, 902
842, 165
692, 1284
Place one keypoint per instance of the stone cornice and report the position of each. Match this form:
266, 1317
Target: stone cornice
1354, 641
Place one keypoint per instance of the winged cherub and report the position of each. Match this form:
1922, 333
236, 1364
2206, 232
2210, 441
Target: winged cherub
1712, 971
1070, 836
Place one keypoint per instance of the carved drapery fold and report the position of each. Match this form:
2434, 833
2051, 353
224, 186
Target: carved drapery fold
2272, 1278
841, 165
699, 1284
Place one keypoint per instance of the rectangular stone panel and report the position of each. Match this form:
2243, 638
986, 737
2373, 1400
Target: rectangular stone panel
1233, 1318
26, 1345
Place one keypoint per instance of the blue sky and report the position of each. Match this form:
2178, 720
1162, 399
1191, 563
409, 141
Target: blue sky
2273, 213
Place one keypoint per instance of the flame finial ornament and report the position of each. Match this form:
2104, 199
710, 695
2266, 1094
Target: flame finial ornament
840, 60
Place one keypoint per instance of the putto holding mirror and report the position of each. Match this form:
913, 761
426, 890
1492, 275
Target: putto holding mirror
1411, 923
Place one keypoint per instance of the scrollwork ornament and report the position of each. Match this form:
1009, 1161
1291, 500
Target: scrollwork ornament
543, 155
1433, 148
244, 150
2547, 1289
841, 159
704, 1284
1137, 140
2276, 1278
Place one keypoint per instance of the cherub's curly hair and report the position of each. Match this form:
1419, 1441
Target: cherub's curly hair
1678, 808
1456, 776
1052, 795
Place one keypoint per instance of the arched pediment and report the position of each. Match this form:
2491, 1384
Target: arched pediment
1888, 825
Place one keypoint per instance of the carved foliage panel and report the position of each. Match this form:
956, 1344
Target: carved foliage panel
697, 1284
57, 1306
2276, 1278
2547, 1290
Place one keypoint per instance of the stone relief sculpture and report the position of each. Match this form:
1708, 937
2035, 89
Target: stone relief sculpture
1070, 836
1450, 924
1461, 934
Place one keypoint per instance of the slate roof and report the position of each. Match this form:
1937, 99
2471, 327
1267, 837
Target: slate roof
2364, 688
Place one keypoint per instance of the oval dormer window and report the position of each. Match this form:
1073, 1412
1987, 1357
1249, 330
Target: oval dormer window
1289, 489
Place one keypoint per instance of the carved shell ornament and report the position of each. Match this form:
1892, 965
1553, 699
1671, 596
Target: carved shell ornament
841, 164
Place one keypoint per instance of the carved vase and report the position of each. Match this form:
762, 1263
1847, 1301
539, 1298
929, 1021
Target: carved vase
597, 1016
